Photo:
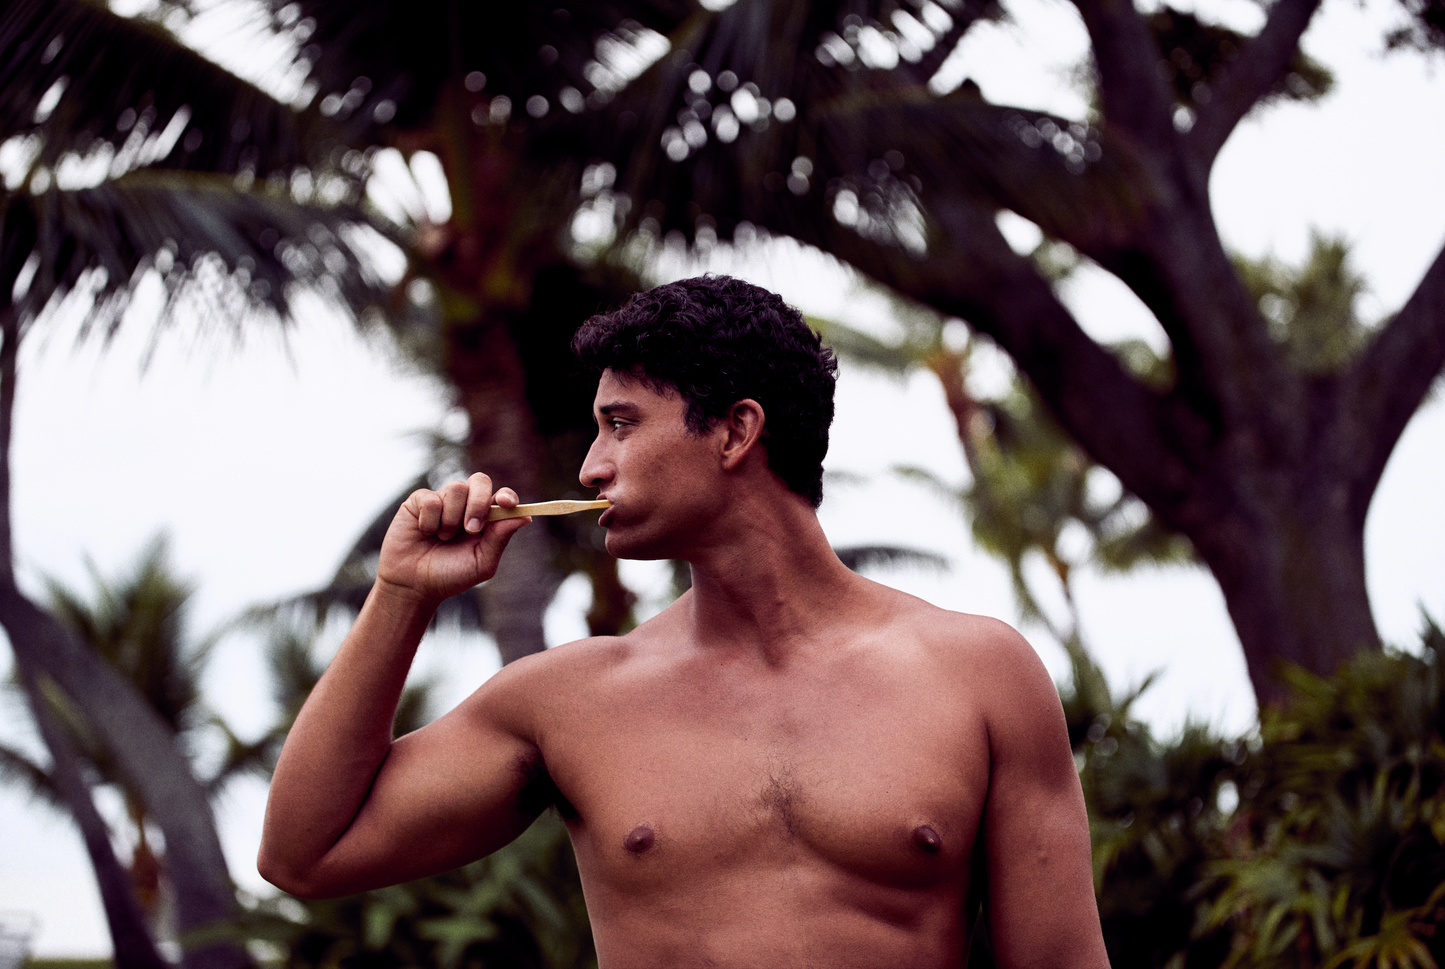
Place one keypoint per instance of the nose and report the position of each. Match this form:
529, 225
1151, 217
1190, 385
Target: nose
596, 470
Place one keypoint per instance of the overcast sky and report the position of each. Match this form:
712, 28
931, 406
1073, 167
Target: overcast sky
261, 459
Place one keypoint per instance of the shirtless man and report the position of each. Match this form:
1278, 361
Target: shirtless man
790, 766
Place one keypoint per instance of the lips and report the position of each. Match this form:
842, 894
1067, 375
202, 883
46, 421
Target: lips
606, 514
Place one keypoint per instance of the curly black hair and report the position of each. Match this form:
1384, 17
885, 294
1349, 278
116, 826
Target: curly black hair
716, 340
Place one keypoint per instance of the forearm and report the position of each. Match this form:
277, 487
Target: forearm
340, 739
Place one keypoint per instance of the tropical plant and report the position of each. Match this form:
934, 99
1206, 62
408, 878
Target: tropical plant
135, 624
1318, 841
1156, 819
519, 907
132, 164
1337, 852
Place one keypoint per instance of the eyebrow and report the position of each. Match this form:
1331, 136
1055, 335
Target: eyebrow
617, 407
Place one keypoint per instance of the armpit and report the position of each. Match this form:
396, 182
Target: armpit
539, 792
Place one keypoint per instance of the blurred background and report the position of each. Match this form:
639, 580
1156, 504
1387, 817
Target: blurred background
1138, 344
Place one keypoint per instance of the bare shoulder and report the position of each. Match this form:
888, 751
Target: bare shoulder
960, 636
547, 687
983, 657
989, 662
527, 686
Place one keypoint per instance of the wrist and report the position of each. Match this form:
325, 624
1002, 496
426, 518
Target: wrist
403, 599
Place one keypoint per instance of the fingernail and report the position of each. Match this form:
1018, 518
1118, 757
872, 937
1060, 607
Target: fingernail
474, 526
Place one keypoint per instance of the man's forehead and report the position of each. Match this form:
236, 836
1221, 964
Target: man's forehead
620, 388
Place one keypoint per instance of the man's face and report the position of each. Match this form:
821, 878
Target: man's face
656, 473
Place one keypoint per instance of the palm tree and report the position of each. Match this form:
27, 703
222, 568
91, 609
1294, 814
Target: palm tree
135, 624
128, 158
511, 289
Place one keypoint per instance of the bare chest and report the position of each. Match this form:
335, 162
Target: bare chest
880, 787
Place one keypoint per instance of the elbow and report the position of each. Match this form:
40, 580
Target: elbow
277, 873
290, 878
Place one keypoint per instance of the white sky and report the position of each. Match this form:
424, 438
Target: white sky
263, 459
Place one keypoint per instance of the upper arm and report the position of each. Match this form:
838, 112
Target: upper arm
1040, 893
445, 794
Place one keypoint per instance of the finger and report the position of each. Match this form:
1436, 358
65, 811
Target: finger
479, 499
494, 542
426, 506
454, 504
476, 520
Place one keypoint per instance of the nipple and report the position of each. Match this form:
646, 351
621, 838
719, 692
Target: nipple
926, 839
640, 839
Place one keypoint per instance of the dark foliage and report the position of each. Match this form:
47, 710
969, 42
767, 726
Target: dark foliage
1318, 842
519, 908
1424, 28
1195, 52
131, 153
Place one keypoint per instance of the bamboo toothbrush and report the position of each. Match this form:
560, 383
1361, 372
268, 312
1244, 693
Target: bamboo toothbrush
497, 512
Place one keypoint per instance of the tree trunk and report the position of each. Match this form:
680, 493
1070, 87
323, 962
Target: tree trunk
1268, 471
485, 367
1293, 577
611, 600
130, 938
151, 763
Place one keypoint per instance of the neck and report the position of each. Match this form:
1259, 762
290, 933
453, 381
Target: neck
769, 583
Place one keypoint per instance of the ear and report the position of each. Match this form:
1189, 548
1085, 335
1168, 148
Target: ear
743, 424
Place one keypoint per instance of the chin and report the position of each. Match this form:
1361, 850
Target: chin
621, 546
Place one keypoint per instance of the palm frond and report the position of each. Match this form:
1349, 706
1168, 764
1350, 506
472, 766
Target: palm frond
1149, 542
135, 621
860, 557
779, 133
294, 668
235, 250
356, 574
1311, 308
20, 771
127, 155
243, 757
406, 52
750, 91
941, 488
866, 349
75, 75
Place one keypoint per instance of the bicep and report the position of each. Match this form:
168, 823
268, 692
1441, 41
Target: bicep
1040, 893
445, 795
